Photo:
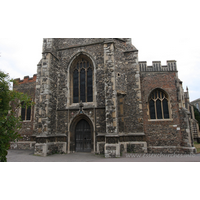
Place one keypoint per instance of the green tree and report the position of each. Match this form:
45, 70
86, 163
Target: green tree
9, 122
197, 115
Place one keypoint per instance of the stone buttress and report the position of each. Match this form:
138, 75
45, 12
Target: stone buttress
124, 120
47, 141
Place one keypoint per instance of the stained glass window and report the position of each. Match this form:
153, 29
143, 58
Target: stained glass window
89, 85
152, 109
25, 112
165, 109
158, 105
158, 108
82, 81
82, 86
28, 113
76, 86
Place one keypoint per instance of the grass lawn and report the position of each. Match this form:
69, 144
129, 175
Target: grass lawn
197, 146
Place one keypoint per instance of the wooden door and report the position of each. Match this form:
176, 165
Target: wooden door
83, 136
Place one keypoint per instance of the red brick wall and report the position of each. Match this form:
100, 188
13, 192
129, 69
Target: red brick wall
161, 132
26, 79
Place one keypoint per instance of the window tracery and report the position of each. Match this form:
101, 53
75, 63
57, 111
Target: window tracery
25, 112
158, 105
82, 81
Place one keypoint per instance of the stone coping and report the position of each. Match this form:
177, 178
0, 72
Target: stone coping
60, 135
128, 51
23, 142
133, 142
175, 147
121, 134
84, 108
160, 120
80, 45
131, 134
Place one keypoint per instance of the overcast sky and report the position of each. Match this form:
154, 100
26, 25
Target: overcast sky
160, 30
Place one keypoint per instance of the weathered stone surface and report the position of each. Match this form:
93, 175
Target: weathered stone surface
22, 145
112, 150
45, 149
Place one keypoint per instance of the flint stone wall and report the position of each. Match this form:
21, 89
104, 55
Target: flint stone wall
44, 149
22, 145
128, 88
133, 147
26, 86
112, 150
171, 150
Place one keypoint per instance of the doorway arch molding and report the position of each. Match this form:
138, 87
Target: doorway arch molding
72, 128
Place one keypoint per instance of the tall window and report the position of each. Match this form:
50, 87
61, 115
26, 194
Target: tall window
82, 81
158, 105
25, 112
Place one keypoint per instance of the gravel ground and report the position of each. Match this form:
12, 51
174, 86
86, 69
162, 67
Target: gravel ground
27, 156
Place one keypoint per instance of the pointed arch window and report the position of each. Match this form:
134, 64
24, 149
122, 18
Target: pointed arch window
158, 105
82, 81
25, 112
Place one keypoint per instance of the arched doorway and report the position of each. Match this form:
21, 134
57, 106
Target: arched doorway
83, 136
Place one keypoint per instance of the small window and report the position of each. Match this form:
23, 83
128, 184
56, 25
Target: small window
158, 105
25, 112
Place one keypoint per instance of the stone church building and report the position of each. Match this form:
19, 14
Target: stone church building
93, 95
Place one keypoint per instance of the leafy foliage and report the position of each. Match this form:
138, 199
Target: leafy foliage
9, 122
197, 115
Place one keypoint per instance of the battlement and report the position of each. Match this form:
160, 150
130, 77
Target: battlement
26, 79
157, 67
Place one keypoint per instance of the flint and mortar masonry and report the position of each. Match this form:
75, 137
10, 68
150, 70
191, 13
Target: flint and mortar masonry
110, 89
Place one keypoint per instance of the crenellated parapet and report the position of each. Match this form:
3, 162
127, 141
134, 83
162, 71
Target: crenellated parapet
157, 67
26, 79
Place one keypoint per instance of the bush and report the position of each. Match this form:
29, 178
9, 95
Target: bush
9, 122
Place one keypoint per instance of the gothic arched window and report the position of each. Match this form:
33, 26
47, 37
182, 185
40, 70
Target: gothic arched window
25, 112
158, 105
82, 81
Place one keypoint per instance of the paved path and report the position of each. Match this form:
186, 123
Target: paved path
27, 156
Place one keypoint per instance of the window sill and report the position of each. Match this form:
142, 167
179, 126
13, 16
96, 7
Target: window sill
160, 120
26, 121
85, 105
